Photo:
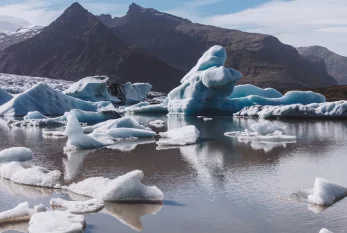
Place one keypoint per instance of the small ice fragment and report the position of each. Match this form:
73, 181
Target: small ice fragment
325, 231
78, 207
326, 192
21, 212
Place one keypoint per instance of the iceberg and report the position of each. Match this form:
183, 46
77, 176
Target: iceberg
123, 188
147, 108
4, 97
204, 90
248, 89
94, 117
92, 89
19, 154
20, 213
78, 207
56, 222
131, 93
123, 133
180, 136
48, 101
76, 138
34, 115
326, 192
30, 175
335, 109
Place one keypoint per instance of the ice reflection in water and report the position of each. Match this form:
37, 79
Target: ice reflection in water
74, 162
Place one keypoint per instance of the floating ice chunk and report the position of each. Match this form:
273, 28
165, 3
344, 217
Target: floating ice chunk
34, 115
94, 117
48, 101
264, 128
129, 133
147, 108
78, 207
33, 175
326, 192
181, 136
325, 231
92, 89
157, 123
16, 154
124, 188
136, 92
130, 214
56, 222
22, 212
124, 122
247, 90
76, 138
207, 118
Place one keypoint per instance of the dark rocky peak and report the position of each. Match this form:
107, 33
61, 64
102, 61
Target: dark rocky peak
137, 12
75, 14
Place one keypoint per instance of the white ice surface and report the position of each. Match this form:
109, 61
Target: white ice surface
78, 207
16, 154
123, 188
34, 115
180, 136
30, 175
56, 222
326, 192
124, 122
323, 230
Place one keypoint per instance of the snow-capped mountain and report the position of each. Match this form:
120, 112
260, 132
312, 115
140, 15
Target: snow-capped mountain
10, 23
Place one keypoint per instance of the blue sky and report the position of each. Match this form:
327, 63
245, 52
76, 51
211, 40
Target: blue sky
295, 22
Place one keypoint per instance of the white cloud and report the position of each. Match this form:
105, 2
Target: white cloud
43, 12
295, 22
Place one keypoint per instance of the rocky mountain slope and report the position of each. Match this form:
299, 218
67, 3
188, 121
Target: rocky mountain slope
78, 44
335, 64
262, 59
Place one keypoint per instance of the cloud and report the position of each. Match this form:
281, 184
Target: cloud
43, 12
295, 22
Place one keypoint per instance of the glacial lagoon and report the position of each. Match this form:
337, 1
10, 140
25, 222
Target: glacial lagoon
217, 185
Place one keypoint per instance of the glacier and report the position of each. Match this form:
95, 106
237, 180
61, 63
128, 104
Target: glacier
93, 89
19, 154
48, 101
123, 188
326, 192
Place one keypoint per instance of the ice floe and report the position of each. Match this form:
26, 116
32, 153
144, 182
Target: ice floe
180, 136
92, 89
16, 154
124, 122
94, 117
123, 188
56, 222
323, 230
326, 192
48, 101
78, 207
125, 133
147, 108
30, 175
130, 144
21, 212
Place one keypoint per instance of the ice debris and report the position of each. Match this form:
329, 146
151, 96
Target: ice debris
78, 207
180, 136
21, 212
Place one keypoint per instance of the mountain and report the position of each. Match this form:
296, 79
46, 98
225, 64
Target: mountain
336, 64
78, 44
262, 59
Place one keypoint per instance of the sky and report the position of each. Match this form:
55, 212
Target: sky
294, 22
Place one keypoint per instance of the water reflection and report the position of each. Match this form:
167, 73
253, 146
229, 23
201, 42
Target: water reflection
17, 227
74, 162
130, 214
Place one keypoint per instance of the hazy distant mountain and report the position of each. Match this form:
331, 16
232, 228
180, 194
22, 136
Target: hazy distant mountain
336, 64
262, 59
9, 23
78, 44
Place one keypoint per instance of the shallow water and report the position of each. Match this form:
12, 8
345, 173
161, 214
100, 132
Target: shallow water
218, 185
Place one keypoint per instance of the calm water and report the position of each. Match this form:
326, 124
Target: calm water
218, 185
